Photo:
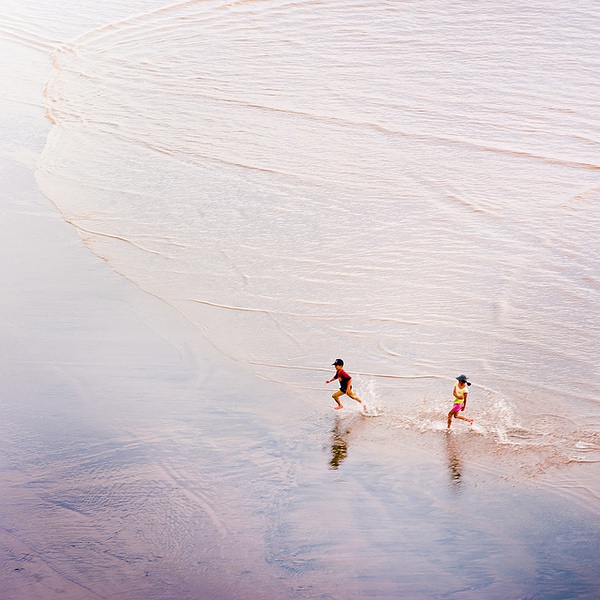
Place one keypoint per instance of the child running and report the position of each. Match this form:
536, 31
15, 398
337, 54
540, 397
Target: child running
460, 400
345, 384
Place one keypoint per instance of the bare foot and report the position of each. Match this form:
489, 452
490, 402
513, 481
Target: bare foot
338, 407
471, 421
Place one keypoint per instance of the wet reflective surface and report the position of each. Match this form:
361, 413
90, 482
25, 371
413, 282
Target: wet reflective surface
412, 187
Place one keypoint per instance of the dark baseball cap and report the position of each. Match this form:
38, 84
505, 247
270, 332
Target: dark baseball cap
338, 361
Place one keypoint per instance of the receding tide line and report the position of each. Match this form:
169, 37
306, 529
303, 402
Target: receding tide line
379, 375
301, 368
111, 236
263, 311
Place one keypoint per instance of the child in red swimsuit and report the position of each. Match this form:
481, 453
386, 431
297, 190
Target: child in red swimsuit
345, 384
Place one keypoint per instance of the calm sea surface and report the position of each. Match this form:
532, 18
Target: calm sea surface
411, 186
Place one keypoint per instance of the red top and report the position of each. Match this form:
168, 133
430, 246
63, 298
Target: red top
343, 377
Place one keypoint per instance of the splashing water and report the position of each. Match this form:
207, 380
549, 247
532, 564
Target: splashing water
373, 406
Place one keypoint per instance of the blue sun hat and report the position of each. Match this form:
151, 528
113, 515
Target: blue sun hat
463, 379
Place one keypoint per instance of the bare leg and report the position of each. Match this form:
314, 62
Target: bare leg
336, 396
450, 415
353, 396
464, 419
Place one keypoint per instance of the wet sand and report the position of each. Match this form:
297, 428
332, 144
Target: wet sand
101, 387
137, 462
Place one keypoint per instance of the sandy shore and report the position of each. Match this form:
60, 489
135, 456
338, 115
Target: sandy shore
137, 462
101, 385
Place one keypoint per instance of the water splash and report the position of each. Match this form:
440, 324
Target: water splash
373, 405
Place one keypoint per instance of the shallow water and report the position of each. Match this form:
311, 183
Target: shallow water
413, 187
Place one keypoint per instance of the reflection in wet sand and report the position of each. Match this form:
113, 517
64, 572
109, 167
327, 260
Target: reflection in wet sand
455, 467
339, 443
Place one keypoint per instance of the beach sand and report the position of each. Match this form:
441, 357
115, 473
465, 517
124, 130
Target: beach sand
106, 395
137, 462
